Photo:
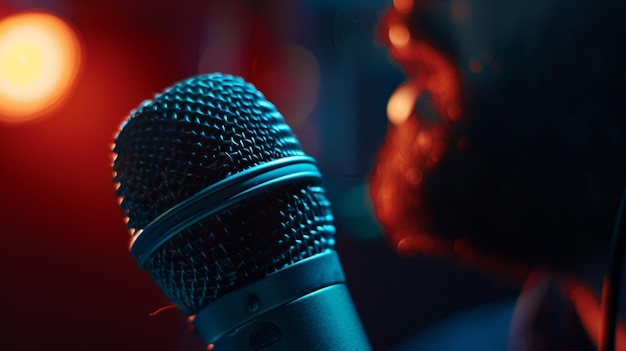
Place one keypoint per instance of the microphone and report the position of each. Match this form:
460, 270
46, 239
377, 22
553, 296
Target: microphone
227, 215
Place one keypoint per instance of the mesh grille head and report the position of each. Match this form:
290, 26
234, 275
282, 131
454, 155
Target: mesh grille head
192, 135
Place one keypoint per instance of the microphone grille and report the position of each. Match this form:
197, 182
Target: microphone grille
192, 135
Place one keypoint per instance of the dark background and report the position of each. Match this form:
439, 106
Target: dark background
67, 281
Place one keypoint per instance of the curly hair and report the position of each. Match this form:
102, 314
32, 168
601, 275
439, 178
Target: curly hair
543, 163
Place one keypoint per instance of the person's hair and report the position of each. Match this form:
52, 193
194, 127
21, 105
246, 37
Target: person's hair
544, 165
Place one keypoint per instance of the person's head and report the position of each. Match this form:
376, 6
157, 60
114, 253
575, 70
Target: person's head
516, 148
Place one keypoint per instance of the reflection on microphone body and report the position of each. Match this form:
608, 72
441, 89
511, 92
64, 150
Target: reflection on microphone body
227, 215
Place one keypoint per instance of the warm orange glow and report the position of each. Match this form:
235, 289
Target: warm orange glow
415, 143
436, 84
414, 175
404, 6
454, 112
424, 140
399, 35
134, 234
39, 60
401, 103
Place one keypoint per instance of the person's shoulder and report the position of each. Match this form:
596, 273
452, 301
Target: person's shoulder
484, 328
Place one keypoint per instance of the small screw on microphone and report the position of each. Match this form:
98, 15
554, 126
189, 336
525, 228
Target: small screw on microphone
253, 303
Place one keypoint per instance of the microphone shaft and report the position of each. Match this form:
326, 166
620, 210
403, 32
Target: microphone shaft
324, 320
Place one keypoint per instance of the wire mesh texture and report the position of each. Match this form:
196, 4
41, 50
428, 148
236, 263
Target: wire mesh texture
190, 136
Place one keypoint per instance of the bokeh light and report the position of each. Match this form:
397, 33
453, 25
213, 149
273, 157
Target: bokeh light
404, 6
290, 77
421, 111
39, 61
401, 103
399, 35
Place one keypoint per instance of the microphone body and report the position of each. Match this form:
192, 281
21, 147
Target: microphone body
227, 215
324, 319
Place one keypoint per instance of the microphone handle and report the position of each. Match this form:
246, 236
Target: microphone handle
324, 320
305, 306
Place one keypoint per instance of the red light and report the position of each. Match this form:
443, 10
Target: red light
476, 66
589, 311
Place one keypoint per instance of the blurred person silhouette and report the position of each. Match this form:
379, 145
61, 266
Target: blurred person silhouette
507, 151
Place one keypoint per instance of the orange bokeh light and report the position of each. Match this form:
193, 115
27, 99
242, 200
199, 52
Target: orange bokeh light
404, 6
401, 103
399, 35
39, 61
418, 136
